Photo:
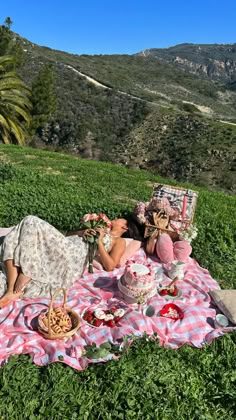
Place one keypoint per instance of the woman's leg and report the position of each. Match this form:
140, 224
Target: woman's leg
12, 273
21, 282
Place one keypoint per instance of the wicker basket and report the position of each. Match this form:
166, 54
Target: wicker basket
161, 191
75, 320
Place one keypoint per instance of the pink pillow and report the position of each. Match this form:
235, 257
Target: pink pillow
168, 251
132, 246
5, 231
182, 250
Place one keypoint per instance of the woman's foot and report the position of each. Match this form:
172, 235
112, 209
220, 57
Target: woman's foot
21, 282
8, 298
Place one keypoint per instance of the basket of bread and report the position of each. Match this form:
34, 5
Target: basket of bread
59, 321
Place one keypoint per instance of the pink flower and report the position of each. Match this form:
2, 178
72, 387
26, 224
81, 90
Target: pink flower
103, 217
93, 216
85, 218
139, 211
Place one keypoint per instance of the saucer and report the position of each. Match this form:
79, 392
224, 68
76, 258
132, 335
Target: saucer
169, 297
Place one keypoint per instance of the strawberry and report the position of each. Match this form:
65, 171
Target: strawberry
117, 318
97, 322
175, 291
113, 309
163, 292
111, 323
89, 312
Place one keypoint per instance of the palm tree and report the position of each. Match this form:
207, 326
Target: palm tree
15, 104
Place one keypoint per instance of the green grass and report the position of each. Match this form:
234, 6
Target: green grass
148, 382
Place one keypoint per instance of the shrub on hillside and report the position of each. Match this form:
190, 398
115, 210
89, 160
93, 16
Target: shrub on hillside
7, 172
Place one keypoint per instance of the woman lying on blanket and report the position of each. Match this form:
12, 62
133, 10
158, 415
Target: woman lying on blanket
37, 258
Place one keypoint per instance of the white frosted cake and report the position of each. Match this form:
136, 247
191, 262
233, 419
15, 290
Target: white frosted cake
137, 283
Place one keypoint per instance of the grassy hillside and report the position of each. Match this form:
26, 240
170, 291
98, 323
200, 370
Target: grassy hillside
152, 115
149, 382
60, 189
134, 110
183, 147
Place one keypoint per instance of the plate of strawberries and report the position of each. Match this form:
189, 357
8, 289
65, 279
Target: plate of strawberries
103, 317
172, 292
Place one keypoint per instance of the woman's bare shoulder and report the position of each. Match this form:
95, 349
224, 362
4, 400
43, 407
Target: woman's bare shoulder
119, 243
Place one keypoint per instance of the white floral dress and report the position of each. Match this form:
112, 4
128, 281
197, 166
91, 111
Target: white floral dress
45, 255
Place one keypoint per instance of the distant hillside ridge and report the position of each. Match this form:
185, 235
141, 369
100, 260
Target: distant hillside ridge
213, 61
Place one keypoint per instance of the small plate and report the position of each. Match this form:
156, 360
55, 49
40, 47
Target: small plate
166, 308
169, 297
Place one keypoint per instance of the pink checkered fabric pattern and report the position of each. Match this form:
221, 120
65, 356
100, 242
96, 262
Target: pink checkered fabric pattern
18, 322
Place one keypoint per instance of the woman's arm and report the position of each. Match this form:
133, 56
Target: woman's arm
81, 232
110, 261
75, 232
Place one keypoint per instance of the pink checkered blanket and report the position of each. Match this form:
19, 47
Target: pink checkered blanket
18, 322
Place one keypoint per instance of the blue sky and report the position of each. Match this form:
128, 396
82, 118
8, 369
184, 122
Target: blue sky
121, 26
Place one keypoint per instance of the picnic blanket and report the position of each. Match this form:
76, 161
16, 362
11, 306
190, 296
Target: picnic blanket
18, 322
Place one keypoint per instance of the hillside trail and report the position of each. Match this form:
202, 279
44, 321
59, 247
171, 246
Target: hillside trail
203, 109
96, 83
227, 122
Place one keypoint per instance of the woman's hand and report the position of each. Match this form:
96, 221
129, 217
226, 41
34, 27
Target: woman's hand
155, 234
101, 233
89, 232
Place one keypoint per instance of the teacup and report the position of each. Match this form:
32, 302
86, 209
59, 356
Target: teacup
221, 321
176, 270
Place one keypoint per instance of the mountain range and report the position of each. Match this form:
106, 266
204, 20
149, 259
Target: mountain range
170, 110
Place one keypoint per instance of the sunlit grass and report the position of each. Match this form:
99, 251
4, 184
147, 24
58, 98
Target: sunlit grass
148, 382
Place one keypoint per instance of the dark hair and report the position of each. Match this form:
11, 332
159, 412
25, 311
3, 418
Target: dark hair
135, 230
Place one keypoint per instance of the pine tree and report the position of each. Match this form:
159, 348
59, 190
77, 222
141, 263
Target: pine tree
43, 98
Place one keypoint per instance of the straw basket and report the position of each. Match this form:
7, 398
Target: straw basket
47, 332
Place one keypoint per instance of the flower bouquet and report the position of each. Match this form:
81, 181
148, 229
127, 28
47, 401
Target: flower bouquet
189, 233
94, 221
